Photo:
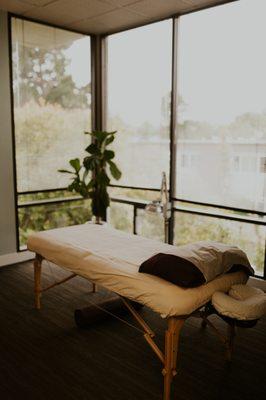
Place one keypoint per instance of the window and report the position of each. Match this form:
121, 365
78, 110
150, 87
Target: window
221, 127
52, 109
221, 112
139, 86
52, 91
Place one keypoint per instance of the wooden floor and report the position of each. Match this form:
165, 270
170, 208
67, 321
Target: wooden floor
43, 356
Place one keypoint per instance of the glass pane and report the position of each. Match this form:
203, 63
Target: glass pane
221, 131
121, 216
150, 225
248, 237
49, 216
52, 91
139, 86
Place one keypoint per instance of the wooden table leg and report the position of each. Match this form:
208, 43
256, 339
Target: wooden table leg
171, 349
37, 280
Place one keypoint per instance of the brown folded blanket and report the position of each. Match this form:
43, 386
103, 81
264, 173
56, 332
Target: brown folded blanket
196, 263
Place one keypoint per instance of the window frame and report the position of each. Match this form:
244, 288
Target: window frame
17, 193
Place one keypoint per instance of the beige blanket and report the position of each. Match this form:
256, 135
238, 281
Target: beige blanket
111, 258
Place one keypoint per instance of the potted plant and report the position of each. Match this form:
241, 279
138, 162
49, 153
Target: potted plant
90, 177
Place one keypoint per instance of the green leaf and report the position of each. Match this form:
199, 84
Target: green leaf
89, 163
75, 163
93, 149
102, 135
85, 174
111, 133
75, 186
91, 184
99, 136
115, 171
70, 187
108, 155
83, 190
65, 171
109, 140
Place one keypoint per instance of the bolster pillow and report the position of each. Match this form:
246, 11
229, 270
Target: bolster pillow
196, 263
173, 269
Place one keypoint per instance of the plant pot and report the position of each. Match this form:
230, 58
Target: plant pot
97, 220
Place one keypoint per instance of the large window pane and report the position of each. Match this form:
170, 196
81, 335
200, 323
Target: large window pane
221, 131
247, 236
139, 85
51, 83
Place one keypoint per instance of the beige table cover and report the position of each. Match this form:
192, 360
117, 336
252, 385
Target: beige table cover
111, 258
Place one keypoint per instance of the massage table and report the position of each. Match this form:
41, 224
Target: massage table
111, 259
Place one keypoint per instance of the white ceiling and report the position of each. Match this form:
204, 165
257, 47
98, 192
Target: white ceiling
101, 16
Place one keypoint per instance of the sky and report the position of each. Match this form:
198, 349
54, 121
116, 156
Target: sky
221, 66
222, 61
80, 61
139, 72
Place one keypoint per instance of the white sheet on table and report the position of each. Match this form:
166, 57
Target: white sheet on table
111, 258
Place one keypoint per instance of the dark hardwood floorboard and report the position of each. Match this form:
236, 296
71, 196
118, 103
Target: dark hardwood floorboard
44, 356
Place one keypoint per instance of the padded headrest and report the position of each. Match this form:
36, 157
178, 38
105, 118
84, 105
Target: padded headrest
243, 302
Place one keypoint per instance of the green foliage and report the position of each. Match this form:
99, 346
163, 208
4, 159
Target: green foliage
114, 170
90, 178
250, 238
47, 136
50, 216
42, 76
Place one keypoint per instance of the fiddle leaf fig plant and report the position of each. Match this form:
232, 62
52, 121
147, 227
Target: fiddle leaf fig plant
90, 177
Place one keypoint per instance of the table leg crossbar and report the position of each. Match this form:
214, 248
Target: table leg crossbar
37, 281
